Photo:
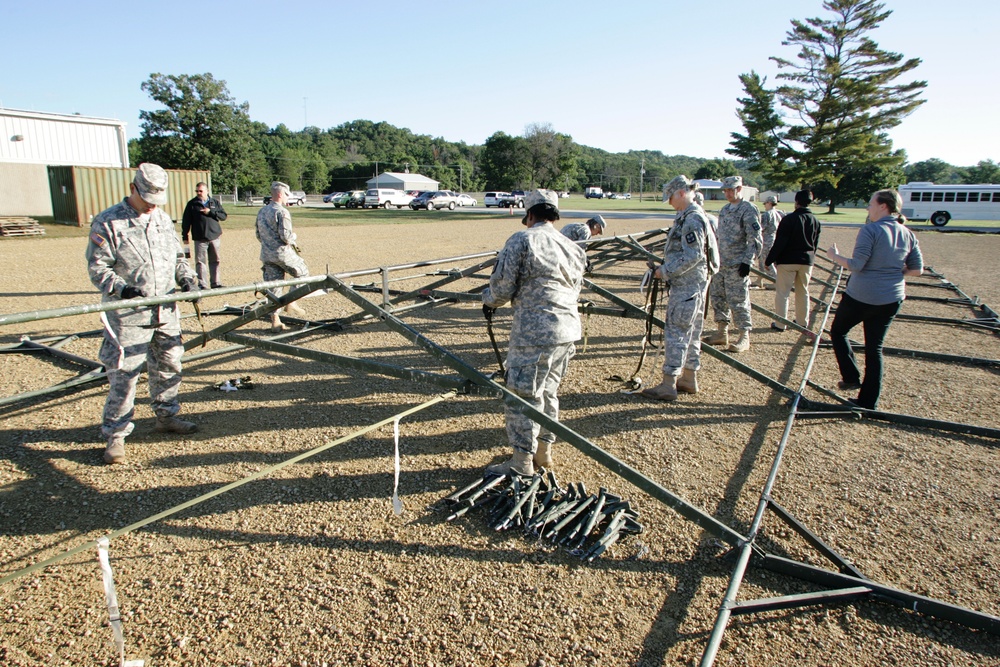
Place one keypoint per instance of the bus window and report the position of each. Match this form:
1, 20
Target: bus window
949, 196
960, 196
914, 196
973, 197
938, 196
926, 197
996, 196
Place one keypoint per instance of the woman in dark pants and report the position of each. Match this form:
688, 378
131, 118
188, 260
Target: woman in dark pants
885, 252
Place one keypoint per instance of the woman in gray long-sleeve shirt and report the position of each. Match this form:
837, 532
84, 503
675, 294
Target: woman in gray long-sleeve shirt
885, 252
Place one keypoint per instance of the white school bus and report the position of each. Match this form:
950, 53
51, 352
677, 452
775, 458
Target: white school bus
941, 203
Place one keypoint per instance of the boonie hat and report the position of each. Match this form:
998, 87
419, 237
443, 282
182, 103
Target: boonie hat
771, 199
599, 221
151, 183
732, 182
678, 183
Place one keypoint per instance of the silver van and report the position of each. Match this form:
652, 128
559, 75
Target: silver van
386, 198
493, 198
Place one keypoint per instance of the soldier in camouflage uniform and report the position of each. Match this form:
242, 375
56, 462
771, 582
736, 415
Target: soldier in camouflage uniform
279, 253
540, 272
739, 244
685, 274
769, 220
582, 231
133, 251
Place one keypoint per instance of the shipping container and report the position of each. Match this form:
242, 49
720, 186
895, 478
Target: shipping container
80, 193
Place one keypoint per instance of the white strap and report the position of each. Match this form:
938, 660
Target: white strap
114, 337
112, 599
397, 504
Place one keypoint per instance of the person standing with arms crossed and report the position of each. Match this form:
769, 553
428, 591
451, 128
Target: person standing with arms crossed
540, 272
769, 221
685, 272
739, 243
279, 254
132, 252
201, 219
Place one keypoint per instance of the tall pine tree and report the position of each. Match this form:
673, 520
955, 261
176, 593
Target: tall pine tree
838, 98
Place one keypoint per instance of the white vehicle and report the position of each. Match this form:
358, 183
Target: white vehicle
386, 198
493, 198
466, 200
941, 203
593, 193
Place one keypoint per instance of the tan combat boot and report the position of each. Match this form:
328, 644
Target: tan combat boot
519, 464
665, 391
543, 455
688, 382
742, 343
115, 451
174, 425
295, 310
721, 337
277, 326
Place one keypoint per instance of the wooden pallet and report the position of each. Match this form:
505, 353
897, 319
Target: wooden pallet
20, 226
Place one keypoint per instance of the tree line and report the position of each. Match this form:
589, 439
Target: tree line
823, 127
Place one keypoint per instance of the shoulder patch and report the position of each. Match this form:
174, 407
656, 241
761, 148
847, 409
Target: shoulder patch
756, 227
97, 239
690, 237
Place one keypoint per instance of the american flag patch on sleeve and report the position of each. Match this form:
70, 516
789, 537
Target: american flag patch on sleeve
97, 239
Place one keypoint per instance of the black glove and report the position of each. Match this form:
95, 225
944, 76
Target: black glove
188, 285
129, 292
488, 312
744, 270
588, 268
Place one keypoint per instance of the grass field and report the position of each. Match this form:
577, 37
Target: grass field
243, 217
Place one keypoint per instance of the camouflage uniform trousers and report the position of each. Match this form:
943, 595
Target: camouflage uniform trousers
768, 242
731, 296
534, 373
291, 264
682, 333
161, 349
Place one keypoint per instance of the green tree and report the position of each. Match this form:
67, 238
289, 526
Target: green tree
839, 98
716, 169
932, 170
549, 155
501, 163
201, 127
857, 182
987, 171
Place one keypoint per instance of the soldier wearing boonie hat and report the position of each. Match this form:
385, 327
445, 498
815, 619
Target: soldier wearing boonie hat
740, 244
133, 251
540, 272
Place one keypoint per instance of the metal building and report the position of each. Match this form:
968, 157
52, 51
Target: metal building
397, 181
30, 141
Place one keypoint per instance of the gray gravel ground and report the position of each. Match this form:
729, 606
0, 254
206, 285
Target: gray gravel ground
309, 566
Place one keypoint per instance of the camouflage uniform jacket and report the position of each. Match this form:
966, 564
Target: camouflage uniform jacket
739, 233
576, 231
540, 272
142, 251
769, 222
684, 253
274, 231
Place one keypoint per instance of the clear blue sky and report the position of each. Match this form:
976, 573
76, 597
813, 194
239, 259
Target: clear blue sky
648, 74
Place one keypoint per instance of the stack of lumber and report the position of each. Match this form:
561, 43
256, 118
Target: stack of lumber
20, 226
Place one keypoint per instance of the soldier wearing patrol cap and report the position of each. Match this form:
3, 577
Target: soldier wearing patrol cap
739, 244
583, 231
540, 272
769, 220
685, 271
279, 252
133, 251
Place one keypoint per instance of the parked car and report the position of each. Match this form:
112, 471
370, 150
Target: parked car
350, 199
330, 197
620, 195
493, 198
386, 198
466, 200
514, 200
433, 199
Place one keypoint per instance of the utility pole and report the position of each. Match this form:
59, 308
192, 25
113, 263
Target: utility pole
642, 173
460, 177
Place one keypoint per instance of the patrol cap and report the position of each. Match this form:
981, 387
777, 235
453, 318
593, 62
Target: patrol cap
599, 221
732, 182
678, 183
278, 185
771, 199
536, 197
699, 198
151, 183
